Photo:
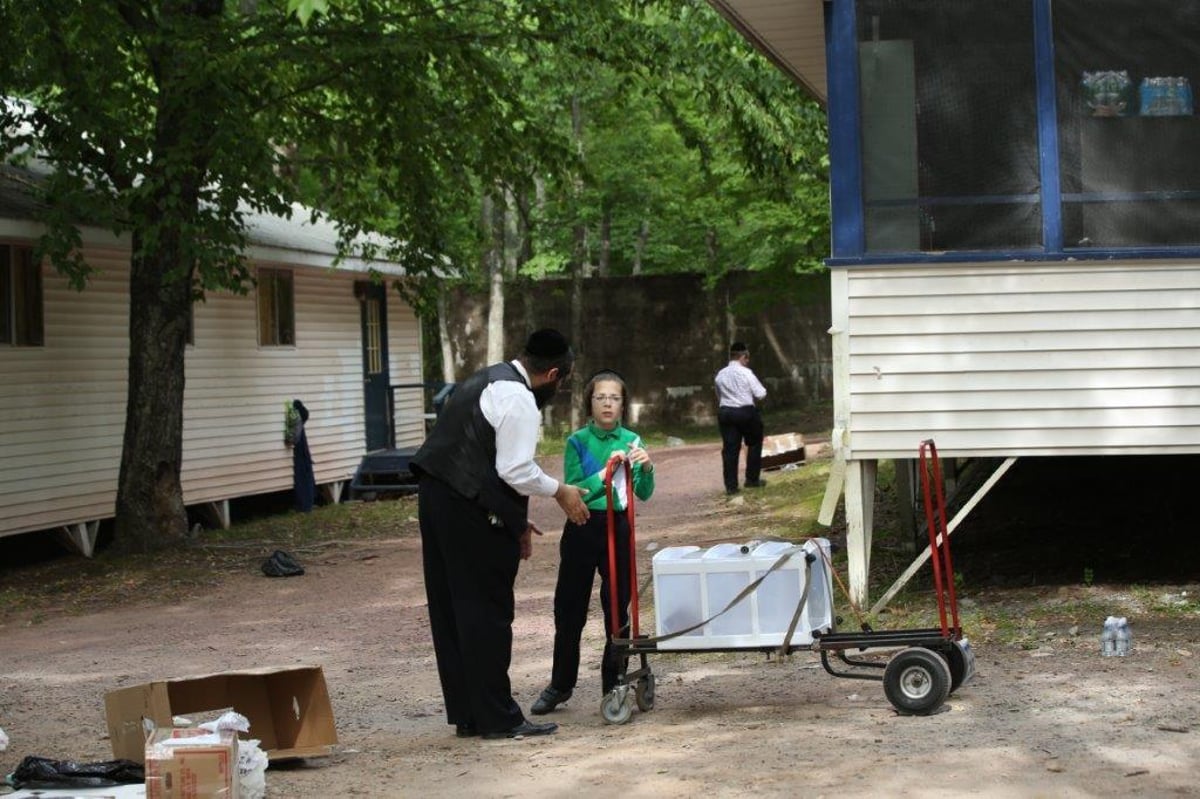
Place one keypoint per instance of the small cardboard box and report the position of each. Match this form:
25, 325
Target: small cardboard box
191, 764
288, 709
780, 450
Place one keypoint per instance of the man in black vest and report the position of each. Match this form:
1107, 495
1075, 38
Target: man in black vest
477, 471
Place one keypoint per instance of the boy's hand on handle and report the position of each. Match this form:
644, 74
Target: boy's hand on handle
640, 455
570, 499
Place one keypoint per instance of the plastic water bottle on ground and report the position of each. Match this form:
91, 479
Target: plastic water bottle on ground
1108, 639
1124, 637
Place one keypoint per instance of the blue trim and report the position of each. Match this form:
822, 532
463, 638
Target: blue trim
1191, 253
974, 199
1132, 196
1047, 115
845, 143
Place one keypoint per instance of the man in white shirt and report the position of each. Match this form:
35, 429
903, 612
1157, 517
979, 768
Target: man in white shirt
477, 472
738, 389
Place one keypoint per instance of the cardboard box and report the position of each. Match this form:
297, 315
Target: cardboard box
288, 709
191, 764
780, 450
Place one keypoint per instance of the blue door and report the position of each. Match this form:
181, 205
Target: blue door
373, 299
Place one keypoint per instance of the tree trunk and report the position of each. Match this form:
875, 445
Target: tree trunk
639, 246
580, 258
495, 273
448, 362
150, 513
605, 242
149, 510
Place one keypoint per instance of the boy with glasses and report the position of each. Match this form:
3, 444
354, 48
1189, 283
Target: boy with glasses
584, 547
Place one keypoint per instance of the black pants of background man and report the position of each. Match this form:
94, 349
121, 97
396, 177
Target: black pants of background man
584, 551
738, 425
470, 570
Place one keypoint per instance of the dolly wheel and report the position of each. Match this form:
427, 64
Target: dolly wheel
962, 663
615, 706
916, 681
643, 692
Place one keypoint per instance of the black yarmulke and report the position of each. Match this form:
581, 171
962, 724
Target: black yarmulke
547, 343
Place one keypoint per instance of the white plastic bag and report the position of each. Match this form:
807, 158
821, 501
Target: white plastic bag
3, 741
252, 770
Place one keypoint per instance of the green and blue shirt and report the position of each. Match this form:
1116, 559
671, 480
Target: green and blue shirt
586, 457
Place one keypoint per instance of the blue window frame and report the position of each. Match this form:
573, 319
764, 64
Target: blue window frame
967, 130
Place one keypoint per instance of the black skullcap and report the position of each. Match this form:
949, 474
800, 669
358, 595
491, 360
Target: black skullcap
547, 343
738, 347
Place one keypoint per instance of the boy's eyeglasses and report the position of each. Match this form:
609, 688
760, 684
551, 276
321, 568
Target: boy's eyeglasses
602, 398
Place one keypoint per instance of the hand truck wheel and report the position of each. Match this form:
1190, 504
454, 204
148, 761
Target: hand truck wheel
916, 681
615, 706
643, 692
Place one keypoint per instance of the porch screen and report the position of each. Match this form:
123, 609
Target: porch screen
1129, 140
949, 129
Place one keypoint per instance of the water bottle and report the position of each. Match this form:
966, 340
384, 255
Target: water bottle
1108, 639
1124, 638
1183, 97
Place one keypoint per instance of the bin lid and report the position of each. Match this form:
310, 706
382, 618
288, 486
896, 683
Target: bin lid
773, 549
676, 553
725, 552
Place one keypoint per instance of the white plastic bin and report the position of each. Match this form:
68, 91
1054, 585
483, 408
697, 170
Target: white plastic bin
691, 585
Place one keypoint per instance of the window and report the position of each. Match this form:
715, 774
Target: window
20, 297
1128, 137
276, 308
949, 125
1059, 127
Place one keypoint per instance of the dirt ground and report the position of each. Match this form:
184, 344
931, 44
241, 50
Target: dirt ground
1050, 718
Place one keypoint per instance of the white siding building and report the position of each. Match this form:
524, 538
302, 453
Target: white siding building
1015, 266
62, 403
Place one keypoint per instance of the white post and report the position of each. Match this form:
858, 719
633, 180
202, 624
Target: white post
860, 519
82, 537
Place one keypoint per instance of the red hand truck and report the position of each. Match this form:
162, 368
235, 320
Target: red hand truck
930, 664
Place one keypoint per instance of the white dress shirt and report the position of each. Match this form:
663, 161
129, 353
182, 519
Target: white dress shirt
737, 386
510, 408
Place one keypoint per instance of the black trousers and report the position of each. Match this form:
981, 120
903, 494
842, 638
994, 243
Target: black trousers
470, 571
737, 425
583, 551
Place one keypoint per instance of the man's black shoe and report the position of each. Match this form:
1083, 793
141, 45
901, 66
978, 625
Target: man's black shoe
729, 492
756, 484
465, 730
522, 730
549, 699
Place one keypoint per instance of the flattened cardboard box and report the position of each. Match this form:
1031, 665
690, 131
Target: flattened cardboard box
203, 768
288, 709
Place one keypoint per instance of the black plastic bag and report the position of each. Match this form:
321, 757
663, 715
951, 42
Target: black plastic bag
281, 564
42, 772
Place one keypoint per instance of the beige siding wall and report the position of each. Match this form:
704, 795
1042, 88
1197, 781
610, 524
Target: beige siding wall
1021, 359
62, 406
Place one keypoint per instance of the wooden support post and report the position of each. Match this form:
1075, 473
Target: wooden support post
81, 537
860, 519
906, 502
333, 491
220, 511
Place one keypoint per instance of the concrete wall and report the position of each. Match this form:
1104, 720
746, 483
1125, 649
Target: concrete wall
668, 335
